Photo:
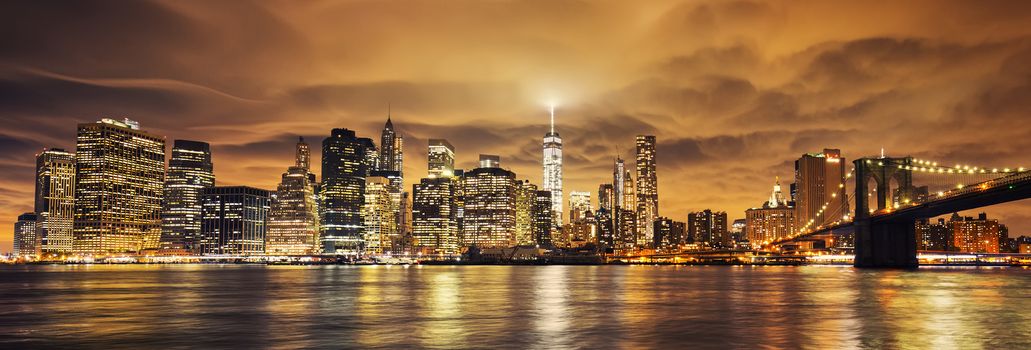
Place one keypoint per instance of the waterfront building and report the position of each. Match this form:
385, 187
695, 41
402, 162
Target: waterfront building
488, 206
441, 158
543, 219
345, 164
647, 189
818, 180
55, 200
189, 172
26, 241
669, 233
293, 227
771, 221
434, 216
525, 205
379, 214
604, 229
234, 220
119, 180
976, 235
709, 227
552, 162
625, 228
934, 236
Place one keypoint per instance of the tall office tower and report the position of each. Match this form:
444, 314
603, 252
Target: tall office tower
618, 181
525, 203
553, 169
669, 234
709, 227
579, 205
818, 180
379, 215
979, 235
404, 226
293, 225
543, 218
234, 220
434, 216
345, 164
441, 158
647, 189
625, 227
605, 231
55, 200
189, 172
935, 237
371, 154
774, 220
488, 207
119, 178
393, 240
26, 241
606, 197
391, 153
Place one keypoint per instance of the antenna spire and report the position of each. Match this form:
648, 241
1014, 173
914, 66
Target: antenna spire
552, 118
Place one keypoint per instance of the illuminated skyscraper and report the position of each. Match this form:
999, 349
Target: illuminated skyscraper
293, 227
55, 200
525, 203
119, 179
775, 219
391, 154
618, 181
579, 205
669, 234
543, 219
234, 220
553, 169
606, 197
434, 216
345, 164
189, 172
379, 215
26, 241
393, 240
709, 227
647, 188
441, 158
818, 180
488, 205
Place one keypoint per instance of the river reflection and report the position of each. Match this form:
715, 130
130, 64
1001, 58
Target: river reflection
540, 307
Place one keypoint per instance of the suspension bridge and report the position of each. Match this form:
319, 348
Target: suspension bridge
891, 194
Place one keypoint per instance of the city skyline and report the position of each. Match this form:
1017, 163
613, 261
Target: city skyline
717, 115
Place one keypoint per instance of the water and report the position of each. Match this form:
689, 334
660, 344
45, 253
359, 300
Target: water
250, 306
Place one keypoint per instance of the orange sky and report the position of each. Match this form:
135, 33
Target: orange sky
734, 91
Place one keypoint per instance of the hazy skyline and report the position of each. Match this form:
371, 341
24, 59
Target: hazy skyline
734, 91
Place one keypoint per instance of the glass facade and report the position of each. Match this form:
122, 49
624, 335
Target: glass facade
234, 220
55, 200
189, 172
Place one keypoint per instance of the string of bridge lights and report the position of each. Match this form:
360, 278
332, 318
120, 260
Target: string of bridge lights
823, 208
923, 165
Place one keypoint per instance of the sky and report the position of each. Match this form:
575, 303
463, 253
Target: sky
734, 91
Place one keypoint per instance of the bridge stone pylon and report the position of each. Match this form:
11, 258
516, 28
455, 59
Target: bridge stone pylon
884, 243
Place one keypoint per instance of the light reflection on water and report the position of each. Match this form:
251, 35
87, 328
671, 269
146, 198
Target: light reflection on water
561, 307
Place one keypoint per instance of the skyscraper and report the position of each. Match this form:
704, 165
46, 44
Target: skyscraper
488, 208
234, 220
606, 197
709, 227
119, 180
543, 219
345, 164
579, 205
391, 153
26, 241
818, 180
55, 200
441, 158
525, 203
189, 172
434, 216
553, 169
774, 220
293, 227
647, 188
618, 181
379, 214
669, 234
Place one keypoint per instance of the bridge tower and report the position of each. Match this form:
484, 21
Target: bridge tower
883, 243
